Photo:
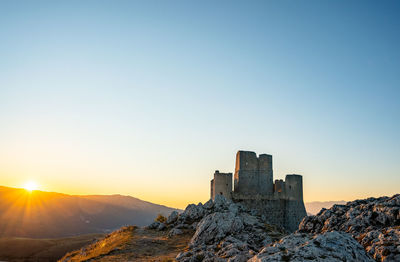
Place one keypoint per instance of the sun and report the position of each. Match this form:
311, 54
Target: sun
30, 186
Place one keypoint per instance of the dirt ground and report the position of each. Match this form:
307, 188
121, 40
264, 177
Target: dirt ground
133, 244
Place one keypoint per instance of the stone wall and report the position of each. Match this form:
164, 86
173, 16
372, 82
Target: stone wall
294, 187
221, 184
281, 212
295, 212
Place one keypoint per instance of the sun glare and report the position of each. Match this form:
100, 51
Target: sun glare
31, 185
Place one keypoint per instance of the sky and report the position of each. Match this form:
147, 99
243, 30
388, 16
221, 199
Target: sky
149, 98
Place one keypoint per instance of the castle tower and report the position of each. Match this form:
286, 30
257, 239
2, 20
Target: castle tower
294, 187
221, 184
265, 179
253, 175
294, 209
246, 175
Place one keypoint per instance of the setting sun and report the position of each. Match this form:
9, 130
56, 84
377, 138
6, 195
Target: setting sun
31, 185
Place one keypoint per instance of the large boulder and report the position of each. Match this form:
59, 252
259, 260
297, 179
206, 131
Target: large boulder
192, 213
332, 246
154, 225
172, 217
215, 227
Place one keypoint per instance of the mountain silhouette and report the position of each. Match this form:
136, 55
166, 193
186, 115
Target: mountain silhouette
40, 214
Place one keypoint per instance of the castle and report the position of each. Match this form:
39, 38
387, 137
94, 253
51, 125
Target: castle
280, 203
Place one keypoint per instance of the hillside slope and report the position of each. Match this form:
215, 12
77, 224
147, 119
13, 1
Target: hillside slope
132, 244
362, 230
39, 214
41, 250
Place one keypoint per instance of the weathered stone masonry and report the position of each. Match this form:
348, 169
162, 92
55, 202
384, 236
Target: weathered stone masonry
280, 203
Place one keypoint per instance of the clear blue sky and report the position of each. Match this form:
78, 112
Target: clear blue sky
148, 98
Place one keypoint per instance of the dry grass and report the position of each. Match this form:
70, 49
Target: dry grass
137, 244
111, 243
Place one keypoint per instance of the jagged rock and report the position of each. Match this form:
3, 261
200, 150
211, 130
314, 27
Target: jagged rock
194, 225
374, 222
161, 226
331, 246
192, 213
154, 225
172, 217
174, 232
215, 227
221, 203
383, 244
209, 204
355, 217
182, 226
226, 232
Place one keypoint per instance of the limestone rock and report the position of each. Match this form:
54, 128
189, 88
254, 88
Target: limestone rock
209, 204
383, 244
221, 203
172, 217
374, 222
332, 246
226, 232
215, 227
161, 226
174, 232
154, 225
192, 213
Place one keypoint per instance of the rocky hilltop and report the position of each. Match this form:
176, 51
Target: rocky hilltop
220, 230
228, 231
373, 222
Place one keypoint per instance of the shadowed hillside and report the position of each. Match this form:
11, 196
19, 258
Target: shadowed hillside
41, 250
40, 214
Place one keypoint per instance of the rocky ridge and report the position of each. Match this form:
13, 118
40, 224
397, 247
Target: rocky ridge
220, 230
373, 222
227, 231
297, 247
224, 231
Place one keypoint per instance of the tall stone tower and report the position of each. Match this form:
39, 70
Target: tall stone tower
253, 175
221, 185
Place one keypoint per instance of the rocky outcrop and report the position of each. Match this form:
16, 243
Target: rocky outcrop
361, 230
227, 235
172, 217
374, 222
383, 244
223, 231
331, 246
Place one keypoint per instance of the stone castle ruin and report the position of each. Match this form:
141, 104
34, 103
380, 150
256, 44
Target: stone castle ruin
280, 203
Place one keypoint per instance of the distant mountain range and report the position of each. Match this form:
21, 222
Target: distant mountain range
39, 214
314, 207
